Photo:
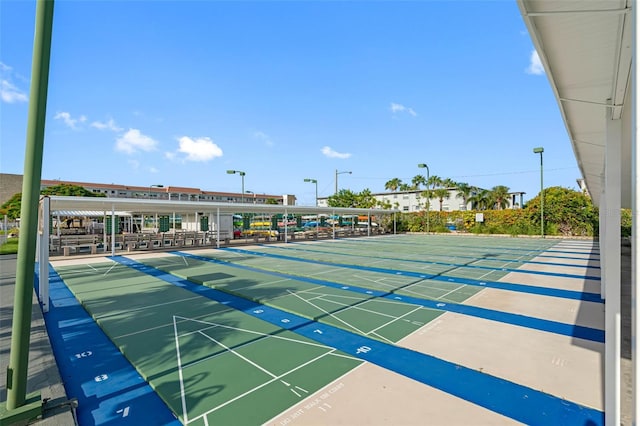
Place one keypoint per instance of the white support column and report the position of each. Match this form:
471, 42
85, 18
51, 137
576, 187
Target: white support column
43, 257
113, 230
218, 227
635, 210
286, 222
602, 218
333, 224
611, 270
104, 232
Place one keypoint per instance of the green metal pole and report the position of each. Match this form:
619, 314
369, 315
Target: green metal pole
541, 198
21, 327
428, 199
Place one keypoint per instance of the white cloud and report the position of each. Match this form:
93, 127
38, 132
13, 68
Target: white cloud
329, 152
109, 125
535, 65
264, 137
398, 108
198, 149
10, 93
68, 120
132, 140
153, 170
135, 164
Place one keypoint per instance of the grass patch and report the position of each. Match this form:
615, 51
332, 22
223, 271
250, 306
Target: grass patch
10, 246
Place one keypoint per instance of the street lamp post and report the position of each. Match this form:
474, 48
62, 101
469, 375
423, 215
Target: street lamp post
153, 186
316, 182
233, 172
254, 195
540, 150
424, 166
339, 173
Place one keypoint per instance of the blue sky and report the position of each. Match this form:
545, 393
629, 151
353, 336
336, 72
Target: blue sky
176, 93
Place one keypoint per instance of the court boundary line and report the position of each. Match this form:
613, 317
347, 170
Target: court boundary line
550, 326
505, 397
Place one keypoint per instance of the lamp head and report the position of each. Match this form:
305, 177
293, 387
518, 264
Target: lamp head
422, 166
538, 150
310, 180
232, 172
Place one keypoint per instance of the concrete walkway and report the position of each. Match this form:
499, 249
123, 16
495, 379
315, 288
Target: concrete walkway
44, 375
43, 372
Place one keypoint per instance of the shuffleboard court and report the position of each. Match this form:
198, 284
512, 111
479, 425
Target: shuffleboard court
190, 348
249, 335
387, 320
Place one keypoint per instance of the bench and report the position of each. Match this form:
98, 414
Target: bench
66, 250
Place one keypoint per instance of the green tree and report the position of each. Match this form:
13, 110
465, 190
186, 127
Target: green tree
365, 199
500, 196
434, 181
393, 184
12, 207
348, 198
441, 194
271, 201
464, 191
418, 181
343, 198
70, 190
449, 183
566, 212
481, 200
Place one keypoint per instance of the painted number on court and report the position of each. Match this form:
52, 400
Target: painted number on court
101, 378
285, 320
363, 349
124, 411
258, 311
84, 354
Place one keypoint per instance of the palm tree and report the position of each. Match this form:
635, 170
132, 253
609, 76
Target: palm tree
393, 184
427, 193
434, 181
441, 194
448, 183
481, 200
405, 187
500, 195
464, 191
417, 181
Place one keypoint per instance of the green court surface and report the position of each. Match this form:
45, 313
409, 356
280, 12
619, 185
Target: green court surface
383, 319
209, 363
212, 364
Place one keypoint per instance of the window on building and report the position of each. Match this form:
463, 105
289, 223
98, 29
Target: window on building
405, 208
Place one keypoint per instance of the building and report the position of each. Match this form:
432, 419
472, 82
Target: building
413, 201
11, 184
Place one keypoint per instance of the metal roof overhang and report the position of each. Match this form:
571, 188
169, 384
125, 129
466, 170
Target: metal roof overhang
586, 49
107, 205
